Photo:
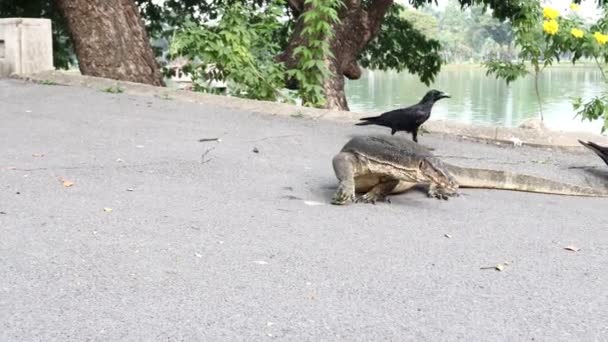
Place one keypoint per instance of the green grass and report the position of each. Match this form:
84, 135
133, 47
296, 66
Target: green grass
48, 82
113, 90
298, 115
164, 96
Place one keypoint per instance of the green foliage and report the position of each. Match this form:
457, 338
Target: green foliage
424, 22
162, 17
544, 38
501, 9
238, 50
532, 47
465, 35
242, 47
472, 35
506, 70
311, 70
400, 46
528, 39
595, 109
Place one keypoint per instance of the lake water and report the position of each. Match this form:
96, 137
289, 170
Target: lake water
480, 99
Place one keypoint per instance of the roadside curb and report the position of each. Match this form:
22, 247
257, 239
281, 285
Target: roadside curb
487, 134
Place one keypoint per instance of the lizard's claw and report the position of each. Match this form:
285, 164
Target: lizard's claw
372, 197
343, 195
441, 193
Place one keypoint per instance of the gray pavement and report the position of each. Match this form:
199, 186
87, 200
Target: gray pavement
213, 242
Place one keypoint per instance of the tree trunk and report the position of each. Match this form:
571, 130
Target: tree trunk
110, 40
357, 27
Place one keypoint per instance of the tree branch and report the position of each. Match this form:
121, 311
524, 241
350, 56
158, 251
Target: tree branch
296, 7
352, 71
350, 4
376, 12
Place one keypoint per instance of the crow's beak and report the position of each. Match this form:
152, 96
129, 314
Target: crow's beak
444, 95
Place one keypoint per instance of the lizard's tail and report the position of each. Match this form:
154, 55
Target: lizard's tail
505, 180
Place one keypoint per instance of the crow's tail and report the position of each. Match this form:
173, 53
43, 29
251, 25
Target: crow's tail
371, 120
602, 152
592, 146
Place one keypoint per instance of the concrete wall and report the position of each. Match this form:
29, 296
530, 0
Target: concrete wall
26, 46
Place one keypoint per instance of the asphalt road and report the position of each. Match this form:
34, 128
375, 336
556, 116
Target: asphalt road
214, 242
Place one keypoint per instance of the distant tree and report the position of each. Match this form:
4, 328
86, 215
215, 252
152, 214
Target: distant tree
471, 34
422, 21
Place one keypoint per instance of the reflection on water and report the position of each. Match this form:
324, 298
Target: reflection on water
480, 99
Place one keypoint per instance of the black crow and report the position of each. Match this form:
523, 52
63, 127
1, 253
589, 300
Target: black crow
599, 150
407, 119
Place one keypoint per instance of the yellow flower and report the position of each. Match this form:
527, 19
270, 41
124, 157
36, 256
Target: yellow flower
550, 27
574, 7
578, 33
550, 13
601, 38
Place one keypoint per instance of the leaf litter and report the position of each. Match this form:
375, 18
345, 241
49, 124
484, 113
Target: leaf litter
66, 183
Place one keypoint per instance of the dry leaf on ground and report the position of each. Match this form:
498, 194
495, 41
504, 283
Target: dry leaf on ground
66, 183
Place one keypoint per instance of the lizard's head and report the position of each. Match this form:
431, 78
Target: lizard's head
434, 95
438, 176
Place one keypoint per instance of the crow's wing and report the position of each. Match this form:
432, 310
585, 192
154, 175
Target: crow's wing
422, 115
392, 113
411, 116
418, 113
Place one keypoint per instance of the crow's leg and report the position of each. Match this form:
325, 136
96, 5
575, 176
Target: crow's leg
415, 134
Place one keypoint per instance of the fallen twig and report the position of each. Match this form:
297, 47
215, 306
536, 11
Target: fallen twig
275, 137
208, 139
203, 161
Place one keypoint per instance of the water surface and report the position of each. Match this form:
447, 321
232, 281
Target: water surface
481, 99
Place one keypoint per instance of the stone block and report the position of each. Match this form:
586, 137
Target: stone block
26, 46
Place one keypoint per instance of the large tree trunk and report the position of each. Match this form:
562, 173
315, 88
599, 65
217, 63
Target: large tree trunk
110, 40
357, 27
